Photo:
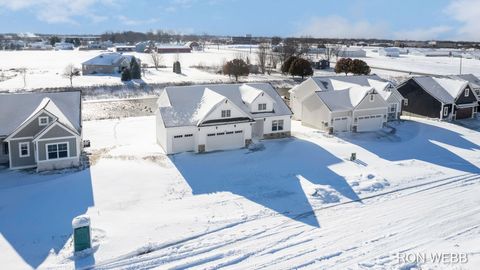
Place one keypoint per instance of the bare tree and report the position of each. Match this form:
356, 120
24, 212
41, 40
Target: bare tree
262, 57
23, 73
70, 72
156, 59
334, 50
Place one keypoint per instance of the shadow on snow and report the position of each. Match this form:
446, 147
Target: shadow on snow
40, 210
269, 177
416, 140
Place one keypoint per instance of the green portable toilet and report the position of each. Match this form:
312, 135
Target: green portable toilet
81, 233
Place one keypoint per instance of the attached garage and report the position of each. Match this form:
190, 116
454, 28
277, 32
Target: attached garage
463, 113
225, 140
183, 142
340, 124
369, 123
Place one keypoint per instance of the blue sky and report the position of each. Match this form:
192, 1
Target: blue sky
406, 19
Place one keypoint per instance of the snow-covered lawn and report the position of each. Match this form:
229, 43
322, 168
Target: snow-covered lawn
281, 204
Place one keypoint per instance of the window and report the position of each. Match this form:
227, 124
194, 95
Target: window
239, 131
220, 133
5, 148
445, 111
229, 132
467, 92
178, 136
393, 108
188, 135
57, 150
43, 121
262, 107
24, 149
277, 125
225, 113
372, 98
211, 134
405, 102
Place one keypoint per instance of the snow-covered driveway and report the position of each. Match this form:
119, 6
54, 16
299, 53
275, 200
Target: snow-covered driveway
283, 204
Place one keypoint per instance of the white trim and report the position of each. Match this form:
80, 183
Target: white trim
56, 123
57, 138
53, 160
28, 121
57, 143
467, 92
20, 149
18, 139
445, 111
43, 118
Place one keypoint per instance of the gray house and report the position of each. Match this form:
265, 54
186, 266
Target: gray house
40, 130
107, 63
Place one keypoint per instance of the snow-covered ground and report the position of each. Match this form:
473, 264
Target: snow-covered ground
45, 68
283, 204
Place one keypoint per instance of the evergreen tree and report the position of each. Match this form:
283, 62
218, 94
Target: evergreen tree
126, 75
359, 67
135, 71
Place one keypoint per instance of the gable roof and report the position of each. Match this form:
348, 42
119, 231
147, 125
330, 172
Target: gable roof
63, 105
443, 89
188, 105
472, 79
345, 99
107, 59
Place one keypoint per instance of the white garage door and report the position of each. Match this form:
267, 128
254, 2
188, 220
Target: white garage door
225, 140
182, 143
340, 124
369, 123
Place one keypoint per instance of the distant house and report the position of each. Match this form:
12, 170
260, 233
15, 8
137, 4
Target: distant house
64, 46
172, 48
124, 48
352, 52
205, 118
430, 52
345, 103
195, 46
439, 97
389, 51
107, 63
40, 130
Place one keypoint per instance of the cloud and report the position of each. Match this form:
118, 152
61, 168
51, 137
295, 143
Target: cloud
467, 12
340, 27
59, 11
423, 33
129, 21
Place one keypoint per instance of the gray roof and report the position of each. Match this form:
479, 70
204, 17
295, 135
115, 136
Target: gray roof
107, 59
344, 100
444, 89
187, 103
16, 108
472, 79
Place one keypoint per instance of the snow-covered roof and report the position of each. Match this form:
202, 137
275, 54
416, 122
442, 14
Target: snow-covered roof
107, 59
64, 105
330, 83
249, 94
472, 79
345, 99
444, 89
189, 104
170, 46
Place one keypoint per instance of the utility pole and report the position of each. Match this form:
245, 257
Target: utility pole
461, 57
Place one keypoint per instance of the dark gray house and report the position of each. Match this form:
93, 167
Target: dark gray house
107, 63
40, 130
439, 97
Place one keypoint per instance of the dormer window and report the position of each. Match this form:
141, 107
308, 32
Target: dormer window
43, 121
467, 92
226, 113
372, 98
262, 107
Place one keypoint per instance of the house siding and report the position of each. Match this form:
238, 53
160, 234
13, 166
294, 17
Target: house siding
419, 101
42, 153
3, 157
55, 132
33, 128
315, 113
18, 161
462, 99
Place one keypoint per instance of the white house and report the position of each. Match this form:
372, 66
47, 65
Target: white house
204, 118
390, 52
352, 52
346, 103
